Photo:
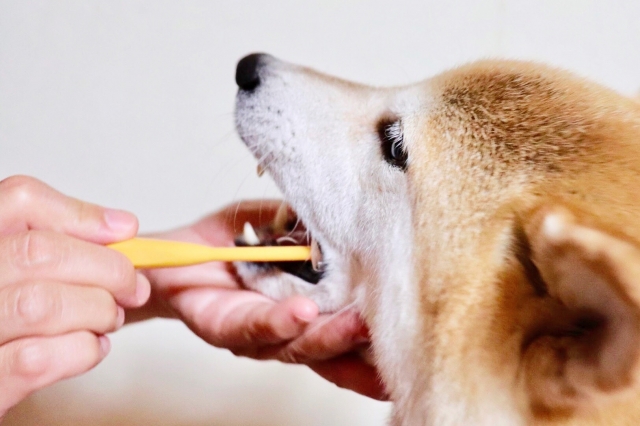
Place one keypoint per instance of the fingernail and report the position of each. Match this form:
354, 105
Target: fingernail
105, 345
306, 313
143, 289
362, 336
119, 220
120, 320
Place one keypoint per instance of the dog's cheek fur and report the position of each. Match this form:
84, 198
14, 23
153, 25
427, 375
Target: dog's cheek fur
474, 178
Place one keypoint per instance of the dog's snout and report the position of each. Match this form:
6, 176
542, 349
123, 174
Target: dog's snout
247, 71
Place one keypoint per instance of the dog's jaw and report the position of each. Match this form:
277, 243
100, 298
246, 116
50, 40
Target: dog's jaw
272, 123
332, 293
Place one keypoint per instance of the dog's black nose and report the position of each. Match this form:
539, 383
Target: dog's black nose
247, 77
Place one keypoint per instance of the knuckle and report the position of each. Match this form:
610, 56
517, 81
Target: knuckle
19, 189
32, 249
112, 316
219, 335
262, 332
85, 212
243, 352
291, 357
88, 348
31, 359
34, 304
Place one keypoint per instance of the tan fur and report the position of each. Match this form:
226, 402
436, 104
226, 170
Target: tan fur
519, 136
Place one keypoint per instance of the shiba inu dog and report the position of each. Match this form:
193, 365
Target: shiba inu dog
486, 222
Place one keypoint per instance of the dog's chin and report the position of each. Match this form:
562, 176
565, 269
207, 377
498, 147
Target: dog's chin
323, 279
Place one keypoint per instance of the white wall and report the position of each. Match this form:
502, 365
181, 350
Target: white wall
129, 104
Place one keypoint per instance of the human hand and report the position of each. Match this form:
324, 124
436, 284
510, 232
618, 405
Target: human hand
61, 290
209, 299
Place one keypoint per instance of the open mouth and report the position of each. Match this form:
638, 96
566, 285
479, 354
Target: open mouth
286, 230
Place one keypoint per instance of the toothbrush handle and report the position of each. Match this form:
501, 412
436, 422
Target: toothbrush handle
152, 253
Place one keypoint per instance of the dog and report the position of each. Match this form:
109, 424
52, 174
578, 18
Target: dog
485, 222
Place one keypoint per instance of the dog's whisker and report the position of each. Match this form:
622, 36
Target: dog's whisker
223, 171
332, 316
261, 160
286, 239
227, 135
307, 234
239, 202
264, 163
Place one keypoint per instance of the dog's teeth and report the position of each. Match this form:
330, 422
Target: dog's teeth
260, 170
282, 215
316, 255
250, 236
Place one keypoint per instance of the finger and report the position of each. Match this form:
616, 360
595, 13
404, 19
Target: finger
45, 255
325, 338
47, 308
26, 203
350, 372
241, 319
269, 324
27, 365
209, 274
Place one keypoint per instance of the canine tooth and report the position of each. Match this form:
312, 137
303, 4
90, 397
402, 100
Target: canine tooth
282, 215
250, 236
316, 255
260, 170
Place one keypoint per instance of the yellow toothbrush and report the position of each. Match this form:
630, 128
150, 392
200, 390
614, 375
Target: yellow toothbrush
151, 253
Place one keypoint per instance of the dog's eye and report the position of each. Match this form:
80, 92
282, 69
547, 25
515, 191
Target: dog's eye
391, 139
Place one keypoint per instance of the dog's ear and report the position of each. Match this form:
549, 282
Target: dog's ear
584, 347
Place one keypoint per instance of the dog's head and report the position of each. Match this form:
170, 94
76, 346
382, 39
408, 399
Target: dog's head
483, 220
319, 138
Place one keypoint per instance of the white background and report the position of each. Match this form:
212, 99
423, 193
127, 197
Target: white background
129, 104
